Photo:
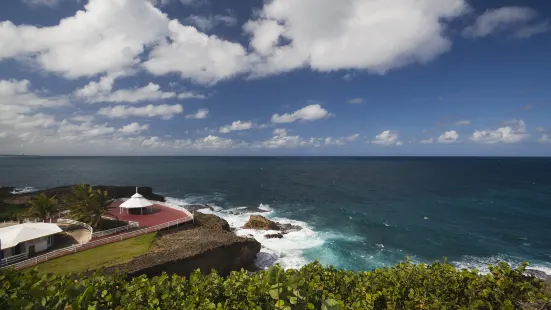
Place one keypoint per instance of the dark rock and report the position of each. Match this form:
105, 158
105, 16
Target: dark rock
287, 228
538, 274
261, 223
272, 236
113, 191
210, 221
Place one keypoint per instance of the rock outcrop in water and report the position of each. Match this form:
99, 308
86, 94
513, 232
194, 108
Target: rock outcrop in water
261, 223
209, 245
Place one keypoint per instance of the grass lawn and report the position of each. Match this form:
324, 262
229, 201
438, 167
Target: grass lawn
102, 256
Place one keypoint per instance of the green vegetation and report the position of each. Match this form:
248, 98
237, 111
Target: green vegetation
102, 256
41, 207
10, 212
88, 205
405, 286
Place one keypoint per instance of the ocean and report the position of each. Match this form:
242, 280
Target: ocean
356, 213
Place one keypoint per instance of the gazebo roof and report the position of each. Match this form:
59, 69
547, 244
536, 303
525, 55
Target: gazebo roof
136, 201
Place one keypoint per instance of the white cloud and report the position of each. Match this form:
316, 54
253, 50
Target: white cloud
215, 142
513, 132
328, 35
164, 111
236, 126
206, 23
356, 100
427, 141
521, 22
544, 139
462, 123
197, 56
69, 131
352, 138
133, 128
147, 93
280, 132
83, 118
387, 138
201, 114
309, 113
449, 136
106, 36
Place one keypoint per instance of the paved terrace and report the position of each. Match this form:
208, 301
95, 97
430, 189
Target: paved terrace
161, 214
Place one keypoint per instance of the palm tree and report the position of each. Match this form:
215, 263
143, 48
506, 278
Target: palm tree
88, 205
42, 207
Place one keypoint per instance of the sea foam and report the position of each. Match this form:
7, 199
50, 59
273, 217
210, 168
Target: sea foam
287, 251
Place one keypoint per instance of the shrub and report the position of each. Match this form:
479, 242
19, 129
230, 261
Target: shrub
404, 286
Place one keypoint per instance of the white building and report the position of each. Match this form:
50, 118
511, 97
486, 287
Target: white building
27, 238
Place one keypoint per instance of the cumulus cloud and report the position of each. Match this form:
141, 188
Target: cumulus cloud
388, 138
544, 139
164, 111
106, 36
331, 35
427, 141
514, 131
280, 132
309, 113
236, 126
206, 23
520, 22
133, 128
449, 136
356, 100
201, 114
196, 56
147, 93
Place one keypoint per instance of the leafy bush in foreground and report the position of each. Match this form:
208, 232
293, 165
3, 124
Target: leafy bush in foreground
405, 286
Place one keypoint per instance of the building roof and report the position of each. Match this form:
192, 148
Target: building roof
12, 235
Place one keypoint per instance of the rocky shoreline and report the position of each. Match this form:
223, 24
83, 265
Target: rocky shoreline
209, 245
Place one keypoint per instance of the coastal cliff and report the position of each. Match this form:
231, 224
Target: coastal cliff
207, 246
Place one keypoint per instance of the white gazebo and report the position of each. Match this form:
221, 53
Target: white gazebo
137, 201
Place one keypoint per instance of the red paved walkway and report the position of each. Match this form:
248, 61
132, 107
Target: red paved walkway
160, 215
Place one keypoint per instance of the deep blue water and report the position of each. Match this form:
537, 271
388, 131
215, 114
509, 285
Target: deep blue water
360, 212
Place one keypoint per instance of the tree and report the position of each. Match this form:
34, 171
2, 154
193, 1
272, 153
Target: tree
88, 205
42, 207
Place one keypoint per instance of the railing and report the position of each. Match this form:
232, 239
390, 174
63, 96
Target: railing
14, 259
112, 231
82, 247
69, 221
181, 209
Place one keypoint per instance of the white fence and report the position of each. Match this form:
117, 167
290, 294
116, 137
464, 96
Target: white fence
82, 247
112, 231
14, 259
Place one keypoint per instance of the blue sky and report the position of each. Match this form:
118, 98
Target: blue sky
280, 77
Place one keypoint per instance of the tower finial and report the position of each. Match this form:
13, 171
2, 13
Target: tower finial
136, 189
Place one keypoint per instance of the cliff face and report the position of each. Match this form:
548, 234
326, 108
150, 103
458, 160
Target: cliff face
209, 245
113, 191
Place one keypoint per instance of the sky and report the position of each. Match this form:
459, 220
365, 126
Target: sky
275, 77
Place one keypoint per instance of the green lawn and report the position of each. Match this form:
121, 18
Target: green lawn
102, 256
